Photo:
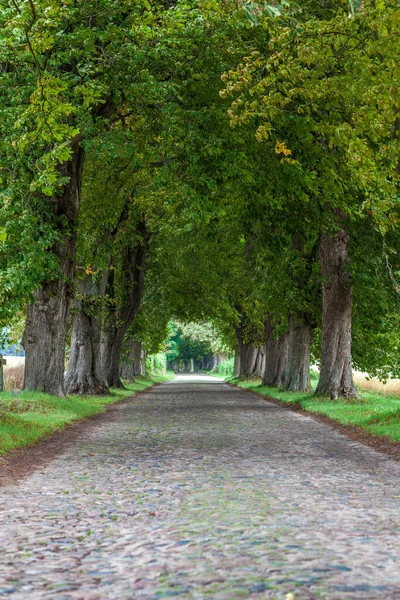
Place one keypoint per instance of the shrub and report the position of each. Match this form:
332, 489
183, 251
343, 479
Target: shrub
160, 363
226, 367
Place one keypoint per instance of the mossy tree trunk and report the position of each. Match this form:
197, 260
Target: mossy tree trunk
336, 377
45, 332
276, 351
297, 376
118, 320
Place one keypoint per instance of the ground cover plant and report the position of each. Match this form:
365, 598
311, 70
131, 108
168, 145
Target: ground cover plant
29, 416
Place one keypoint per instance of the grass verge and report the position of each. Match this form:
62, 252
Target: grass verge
30, 416
375, 413
215, 374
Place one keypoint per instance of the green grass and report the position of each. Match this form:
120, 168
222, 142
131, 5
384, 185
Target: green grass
214, 374
376, 413
29, 416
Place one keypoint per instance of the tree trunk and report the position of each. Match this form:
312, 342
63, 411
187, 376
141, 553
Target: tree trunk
1, 374
110, 353
275, 358
260, 363
84, 375
137, 354
236, 364
47, 318
247, 353
297, 378
336, 377
133, 262
130, 367
248, 360
143, 365
127, 372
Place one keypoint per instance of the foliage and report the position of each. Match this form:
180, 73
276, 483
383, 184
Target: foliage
160, 364
193, 341
235, 185
226, 367
68, 73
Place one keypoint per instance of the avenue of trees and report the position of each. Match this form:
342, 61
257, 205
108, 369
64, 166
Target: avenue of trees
232, 163
195, 347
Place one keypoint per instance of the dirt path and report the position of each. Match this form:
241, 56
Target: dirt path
196, 490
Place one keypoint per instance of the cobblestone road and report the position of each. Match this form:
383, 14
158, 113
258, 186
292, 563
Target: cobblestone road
199, 491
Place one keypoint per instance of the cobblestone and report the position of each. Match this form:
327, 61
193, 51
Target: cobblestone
201, 491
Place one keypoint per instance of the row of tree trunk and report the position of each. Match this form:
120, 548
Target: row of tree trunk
97, 334
284, 361
46, 326
134, 363
190, 365
96, 341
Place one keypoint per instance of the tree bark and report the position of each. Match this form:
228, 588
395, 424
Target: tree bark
260, 363
137, 354
248, 360
84, 375
47, 318
247, 353
336, 377
1, 374
130, 367
301, 324
275, 358
297, 378
118, 321
110, 355
143, 365
236, 364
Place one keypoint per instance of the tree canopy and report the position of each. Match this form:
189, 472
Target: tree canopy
231, 167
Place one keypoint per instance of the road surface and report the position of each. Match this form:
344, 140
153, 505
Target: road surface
196, 490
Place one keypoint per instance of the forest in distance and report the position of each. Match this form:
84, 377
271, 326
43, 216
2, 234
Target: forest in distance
204, 178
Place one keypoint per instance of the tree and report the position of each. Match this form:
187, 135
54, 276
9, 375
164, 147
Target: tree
310, 94
72, 68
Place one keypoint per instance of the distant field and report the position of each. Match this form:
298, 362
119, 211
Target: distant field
374, 385
14, 372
